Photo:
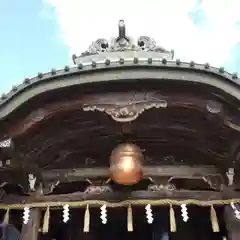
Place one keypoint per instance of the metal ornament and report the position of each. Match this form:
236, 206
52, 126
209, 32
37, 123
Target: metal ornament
32, 181
126, 164
230, 176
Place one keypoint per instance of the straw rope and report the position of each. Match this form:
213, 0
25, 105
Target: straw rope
125, 203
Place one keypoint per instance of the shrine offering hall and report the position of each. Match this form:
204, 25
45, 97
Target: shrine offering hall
128, 143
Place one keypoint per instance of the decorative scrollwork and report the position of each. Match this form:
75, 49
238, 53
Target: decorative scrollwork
97, 189
48, 187
146, 43
162, 187
123, 43
126, 113
101, 45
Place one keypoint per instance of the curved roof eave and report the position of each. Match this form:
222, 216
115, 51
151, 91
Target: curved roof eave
113, 71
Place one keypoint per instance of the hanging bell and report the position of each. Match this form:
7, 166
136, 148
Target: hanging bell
126, 164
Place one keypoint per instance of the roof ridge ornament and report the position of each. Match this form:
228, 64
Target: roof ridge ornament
121, 30
123, 43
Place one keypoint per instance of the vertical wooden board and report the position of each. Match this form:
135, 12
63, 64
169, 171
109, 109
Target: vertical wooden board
232, 223
30, 230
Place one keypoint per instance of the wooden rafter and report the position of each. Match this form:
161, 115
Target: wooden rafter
179, 195
68, 175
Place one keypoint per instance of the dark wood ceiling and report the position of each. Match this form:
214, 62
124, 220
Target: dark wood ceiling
60, 134
77, 139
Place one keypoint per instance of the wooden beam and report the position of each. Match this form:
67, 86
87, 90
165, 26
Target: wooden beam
30, 230
68, 175
121, 196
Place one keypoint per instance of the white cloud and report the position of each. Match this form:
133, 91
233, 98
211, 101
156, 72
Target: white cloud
167, 21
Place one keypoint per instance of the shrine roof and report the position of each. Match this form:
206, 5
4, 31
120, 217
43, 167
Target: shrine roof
121, 53
68, 120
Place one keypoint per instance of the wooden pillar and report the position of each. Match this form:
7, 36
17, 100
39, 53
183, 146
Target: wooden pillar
30, 230
232, 224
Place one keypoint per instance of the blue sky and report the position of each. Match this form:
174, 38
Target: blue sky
29, 42
37, 35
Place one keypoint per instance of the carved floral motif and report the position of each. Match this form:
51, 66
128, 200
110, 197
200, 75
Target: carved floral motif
162, 187
125, 113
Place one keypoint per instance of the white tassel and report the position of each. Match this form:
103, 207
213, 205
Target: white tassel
46, 219
86, 226
173, 227
104, 214
6, 217
65, 213
129, 219
149, 214
214, 220
184, 212
26, 215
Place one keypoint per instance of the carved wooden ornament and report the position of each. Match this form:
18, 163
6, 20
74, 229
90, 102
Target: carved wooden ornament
126, 113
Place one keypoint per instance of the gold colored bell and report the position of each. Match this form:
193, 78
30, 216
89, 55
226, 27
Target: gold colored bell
126, 164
